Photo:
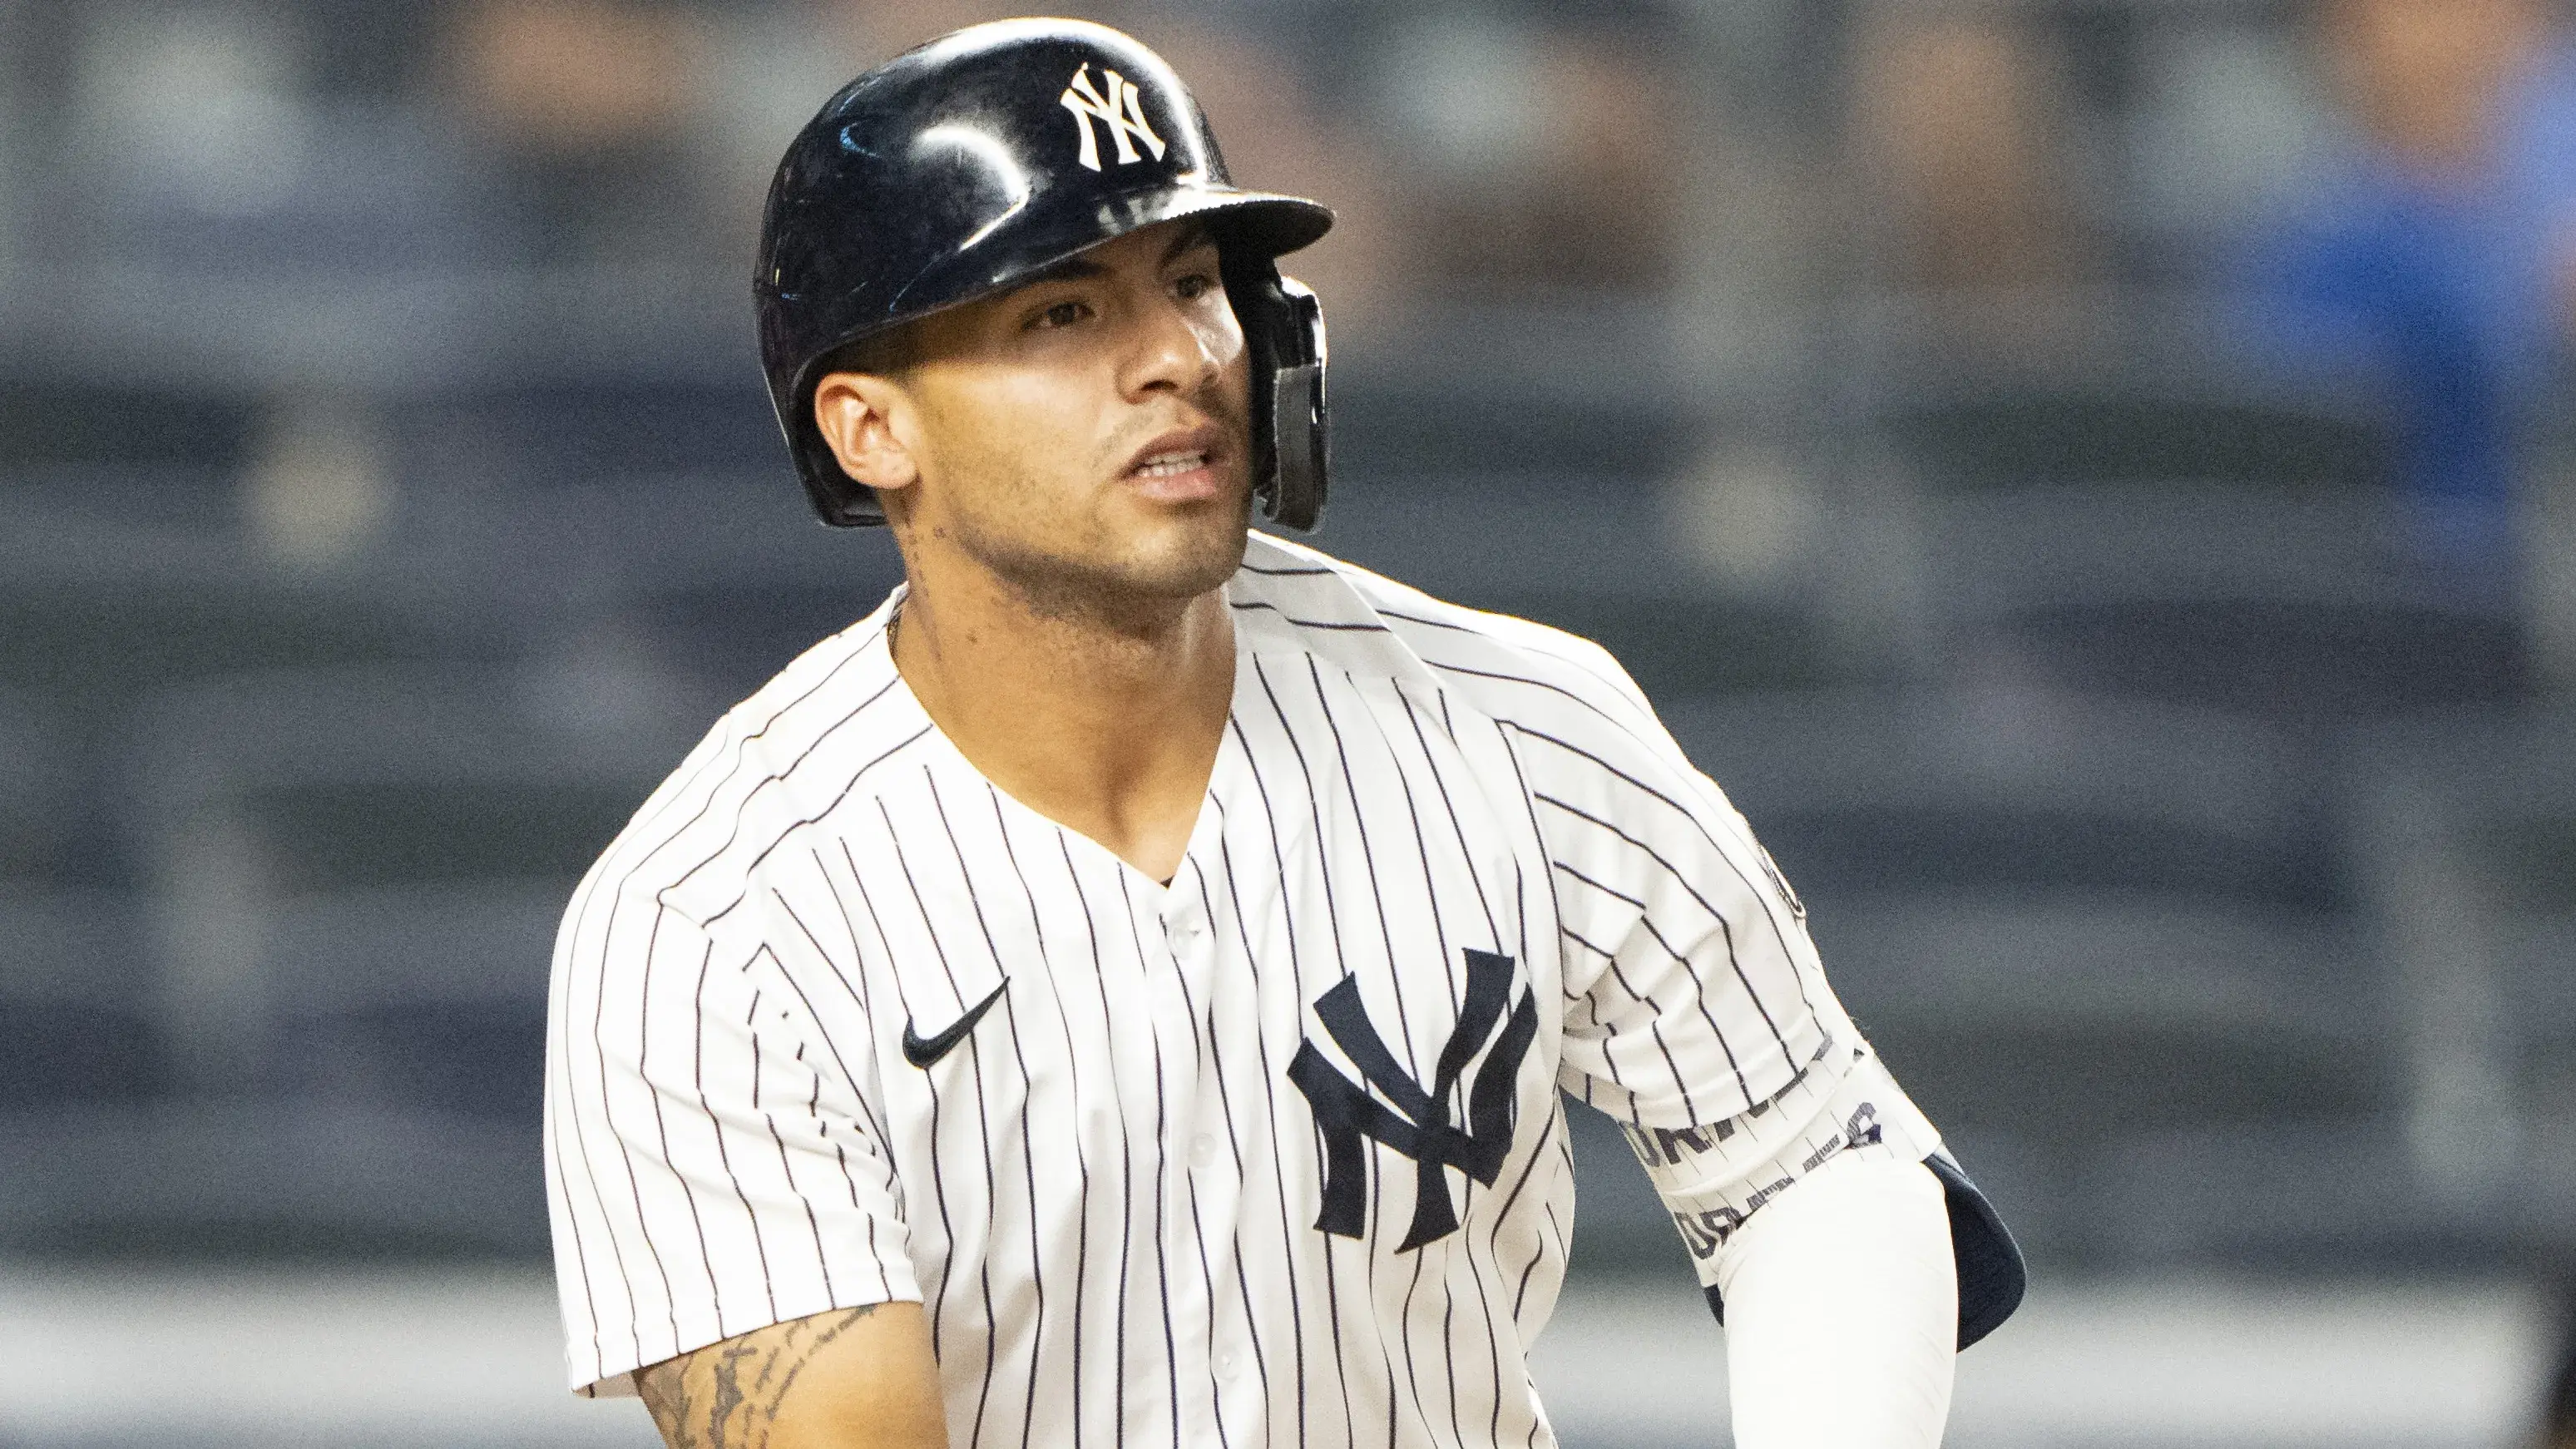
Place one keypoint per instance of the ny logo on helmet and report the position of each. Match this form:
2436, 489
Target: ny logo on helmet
1120, 110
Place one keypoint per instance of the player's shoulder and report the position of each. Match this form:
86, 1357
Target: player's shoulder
1519, 671
801, 732
1582, 735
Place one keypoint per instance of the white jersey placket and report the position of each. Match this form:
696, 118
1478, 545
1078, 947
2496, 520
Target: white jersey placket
1199, 1185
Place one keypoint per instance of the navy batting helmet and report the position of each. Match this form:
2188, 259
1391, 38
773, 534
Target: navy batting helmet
962, 167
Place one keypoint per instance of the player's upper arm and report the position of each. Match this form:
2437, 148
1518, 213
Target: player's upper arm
852, 1378
715, 1163
1693, 992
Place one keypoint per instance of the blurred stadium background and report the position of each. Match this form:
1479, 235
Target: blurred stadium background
2087, 475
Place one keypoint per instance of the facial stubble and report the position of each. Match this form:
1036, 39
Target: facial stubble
1070, 565
1105, 586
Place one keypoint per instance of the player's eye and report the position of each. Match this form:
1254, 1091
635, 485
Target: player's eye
1194, 286
1060, 314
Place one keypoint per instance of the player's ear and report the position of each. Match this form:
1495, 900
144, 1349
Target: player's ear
862, 417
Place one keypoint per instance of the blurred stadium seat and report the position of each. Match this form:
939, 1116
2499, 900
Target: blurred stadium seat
71, 971
63, 424
35, 783
74, 992
712, 580
1593, 555
425, 998
307, 1179
2462, 826
2064, 924
365, 843
357, 880
575, 430
103, 610
2047, 434
2296, 603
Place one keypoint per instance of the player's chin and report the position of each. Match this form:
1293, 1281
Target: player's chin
1182, 549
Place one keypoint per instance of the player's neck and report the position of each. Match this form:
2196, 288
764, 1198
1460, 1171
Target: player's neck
1108, 727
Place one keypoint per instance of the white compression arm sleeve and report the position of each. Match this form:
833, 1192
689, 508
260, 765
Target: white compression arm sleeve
1842, 1311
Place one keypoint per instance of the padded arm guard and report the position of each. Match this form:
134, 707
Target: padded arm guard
1714, 1177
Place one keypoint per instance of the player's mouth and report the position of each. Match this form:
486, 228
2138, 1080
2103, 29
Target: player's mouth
1181, 466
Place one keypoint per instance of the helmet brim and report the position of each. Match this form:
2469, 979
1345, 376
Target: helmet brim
1271, 224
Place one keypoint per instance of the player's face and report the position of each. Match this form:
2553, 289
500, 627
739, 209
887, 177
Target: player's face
1085, 436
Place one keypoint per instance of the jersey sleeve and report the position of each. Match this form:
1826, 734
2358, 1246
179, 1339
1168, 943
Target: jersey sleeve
713, 1164
1692, 991
1697, 1011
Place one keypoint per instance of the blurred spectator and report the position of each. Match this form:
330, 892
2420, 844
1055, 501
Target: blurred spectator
875, 30
588, 104
575, 77
213, 143
319, 488
1960, 122
2427, 261
1534, 159
2425, 77
2226, 117
204, 108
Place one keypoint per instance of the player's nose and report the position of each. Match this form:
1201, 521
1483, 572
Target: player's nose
1177, 349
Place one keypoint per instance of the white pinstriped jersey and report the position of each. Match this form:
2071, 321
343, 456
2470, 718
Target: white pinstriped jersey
1270, 1155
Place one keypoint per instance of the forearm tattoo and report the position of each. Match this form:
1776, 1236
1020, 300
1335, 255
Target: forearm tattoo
727, 1395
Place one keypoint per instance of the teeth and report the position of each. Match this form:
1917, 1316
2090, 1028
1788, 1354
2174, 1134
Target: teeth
1164, 465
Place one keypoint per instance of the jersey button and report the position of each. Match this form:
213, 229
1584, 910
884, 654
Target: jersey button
1226, 1364
1203, 1151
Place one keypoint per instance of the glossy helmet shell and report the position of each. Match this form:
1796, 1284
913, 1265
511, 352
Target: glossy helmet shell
961, 167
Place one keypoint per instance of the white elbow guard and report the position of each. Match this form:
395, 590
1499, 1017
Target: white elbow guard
1715, 1176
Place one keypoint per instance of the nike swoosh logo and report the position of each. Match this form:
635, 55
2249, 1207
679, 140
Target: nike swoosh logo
921, 1051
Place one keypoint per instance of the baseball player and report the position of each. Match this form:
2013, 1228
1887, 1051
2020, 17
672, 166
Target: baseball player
1121, 991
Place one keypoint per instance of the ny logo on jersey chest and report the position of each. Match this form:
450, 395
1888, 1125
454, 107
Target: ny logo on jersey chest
1417, 1124
1120, 108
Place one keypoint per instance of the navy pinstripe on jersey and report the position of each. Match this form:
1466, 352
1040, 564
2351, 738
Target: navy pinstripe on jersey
1270, 1155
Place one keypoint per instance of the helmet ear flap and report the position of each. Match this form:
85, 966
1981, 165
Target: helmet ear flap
1283, 329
